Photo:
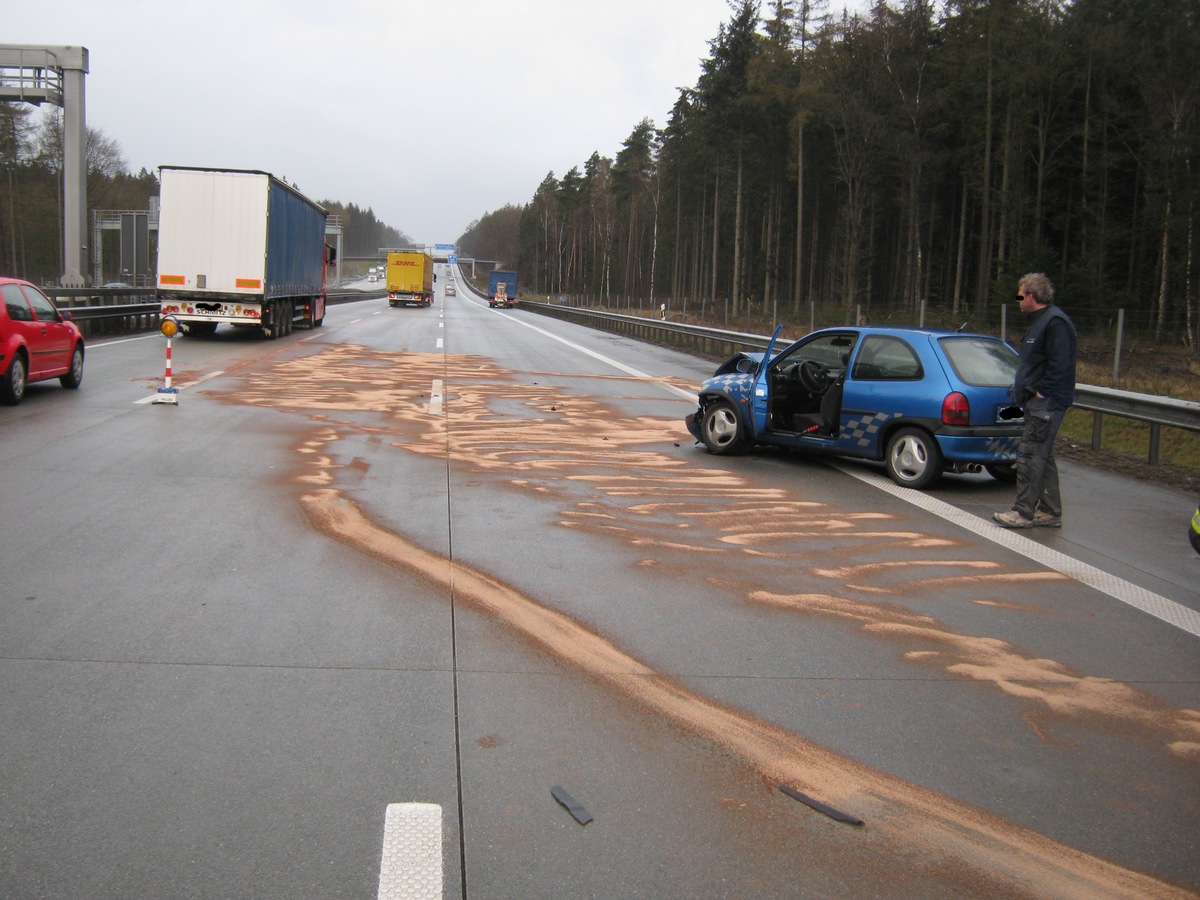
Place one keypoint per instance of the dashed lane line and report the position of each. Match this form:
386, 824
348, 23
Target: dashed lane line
411, 863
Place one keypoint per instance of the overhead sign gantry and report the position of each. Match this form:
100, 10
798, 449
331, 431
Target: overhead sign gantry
52, 74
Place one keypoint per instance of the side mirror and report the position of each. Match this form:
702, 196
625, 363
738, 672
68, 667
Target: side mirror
747, 366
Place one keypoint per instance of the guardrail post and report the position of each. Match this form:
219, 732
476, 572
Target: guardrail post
1155, 434
1097, 429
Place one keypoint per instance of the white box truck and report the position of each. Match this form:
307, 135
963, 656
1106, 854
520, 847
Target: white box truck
239, 247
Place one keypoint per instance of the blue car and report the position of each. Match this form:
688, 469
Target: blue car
923, 401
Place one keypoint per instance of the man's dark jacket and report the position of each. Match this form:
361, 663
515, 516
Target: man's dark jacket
1047, 363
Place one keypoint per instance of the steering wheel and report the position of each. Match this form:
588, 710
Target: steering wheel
814, 376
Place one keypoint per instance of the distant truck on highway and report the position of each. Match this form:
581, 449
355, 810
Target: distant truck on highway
239, 247
409, 278
502, 289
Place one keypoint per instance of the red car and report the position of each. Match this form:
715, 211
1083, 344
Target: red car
37, 342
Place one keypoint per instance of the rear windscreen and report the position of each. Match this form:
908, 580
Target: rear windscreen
988, 363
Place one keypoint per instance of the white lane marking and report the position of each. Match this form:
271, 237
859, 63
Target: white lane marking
435, 398
628, 370
441, 343
411, 864
145, 337
181, 387
1118, 588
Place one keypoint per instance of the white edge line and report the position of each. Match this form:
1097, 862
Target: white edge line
1118, 588
628, 370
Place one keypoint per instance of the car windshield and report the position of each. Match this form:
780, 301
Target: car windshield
980, 361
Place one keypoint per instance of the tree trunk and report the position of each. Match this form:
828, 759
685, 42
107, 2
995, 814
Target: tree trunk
985, 213
715, 230
797, 295
737, 238
960, 258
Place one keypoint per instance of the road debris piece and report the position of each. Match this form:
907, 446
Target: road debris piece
582, 816
820, 807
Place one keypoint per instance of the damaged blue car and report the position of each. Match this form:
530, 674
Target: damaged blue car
922, 401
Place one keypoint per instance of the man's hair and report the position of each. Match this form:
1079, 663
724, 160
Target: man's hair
1039, 285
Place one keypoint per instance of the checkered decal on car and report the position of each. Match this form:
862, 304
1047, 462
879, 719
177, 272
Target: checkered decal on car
739, 387
1004, 447
864, 431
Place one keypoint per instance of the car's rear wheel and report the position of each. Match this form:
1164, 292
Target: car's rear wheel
74, 376
1003, 471
722, 428
12, 385
913, 458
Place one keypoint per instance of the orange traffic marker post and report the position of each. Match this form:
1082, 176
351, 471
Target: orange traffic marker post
166, 393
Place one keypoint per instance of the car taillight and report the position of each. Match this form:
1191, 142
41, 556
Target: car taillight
956, 409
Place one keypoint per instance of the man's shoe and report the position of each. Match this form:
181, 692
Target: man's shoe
1045, 520
1012, 519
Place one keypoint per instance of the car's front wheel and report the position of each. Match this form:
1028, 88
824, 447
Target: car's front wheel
12, 385
74, 376
913, 458
722, 428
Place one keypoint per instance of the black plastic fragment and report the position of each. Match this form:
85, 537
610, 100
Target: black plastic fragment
825, 809
582, 816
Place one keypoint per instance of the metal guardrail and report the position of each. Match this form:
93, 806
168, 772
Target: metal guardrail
1158, 412
108, 310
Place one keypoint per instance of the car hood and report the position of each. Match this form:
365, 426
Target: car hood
731, 365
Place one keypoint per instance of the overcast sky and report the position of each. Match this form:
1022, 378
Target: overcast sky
430, 113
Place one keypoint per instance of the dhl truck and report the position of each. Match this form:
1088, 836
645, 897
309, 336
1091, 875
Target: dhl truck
409, 278
239, 247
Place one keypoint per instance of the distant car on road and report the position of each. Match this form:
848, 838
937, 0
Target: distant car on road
451, 291
37, 342
923, 401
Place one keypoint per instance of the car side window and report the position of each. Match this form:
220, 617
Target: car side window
885, 358
15, 303
41, 305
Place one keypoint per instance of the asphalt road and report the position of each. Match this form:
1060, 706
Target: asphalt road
441, 561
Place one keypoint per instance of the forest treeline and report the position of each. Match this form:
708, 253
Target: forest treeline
916, 153
31, 197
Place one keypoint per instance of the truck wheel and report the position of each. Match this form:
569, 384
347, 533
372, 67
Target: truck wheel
722, 428
913, 458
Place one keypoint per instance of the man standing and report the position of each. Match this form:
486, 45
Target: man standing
1044, 388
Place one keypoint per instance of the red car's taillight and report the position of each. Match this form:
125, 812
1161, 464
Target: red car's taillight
956, 409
